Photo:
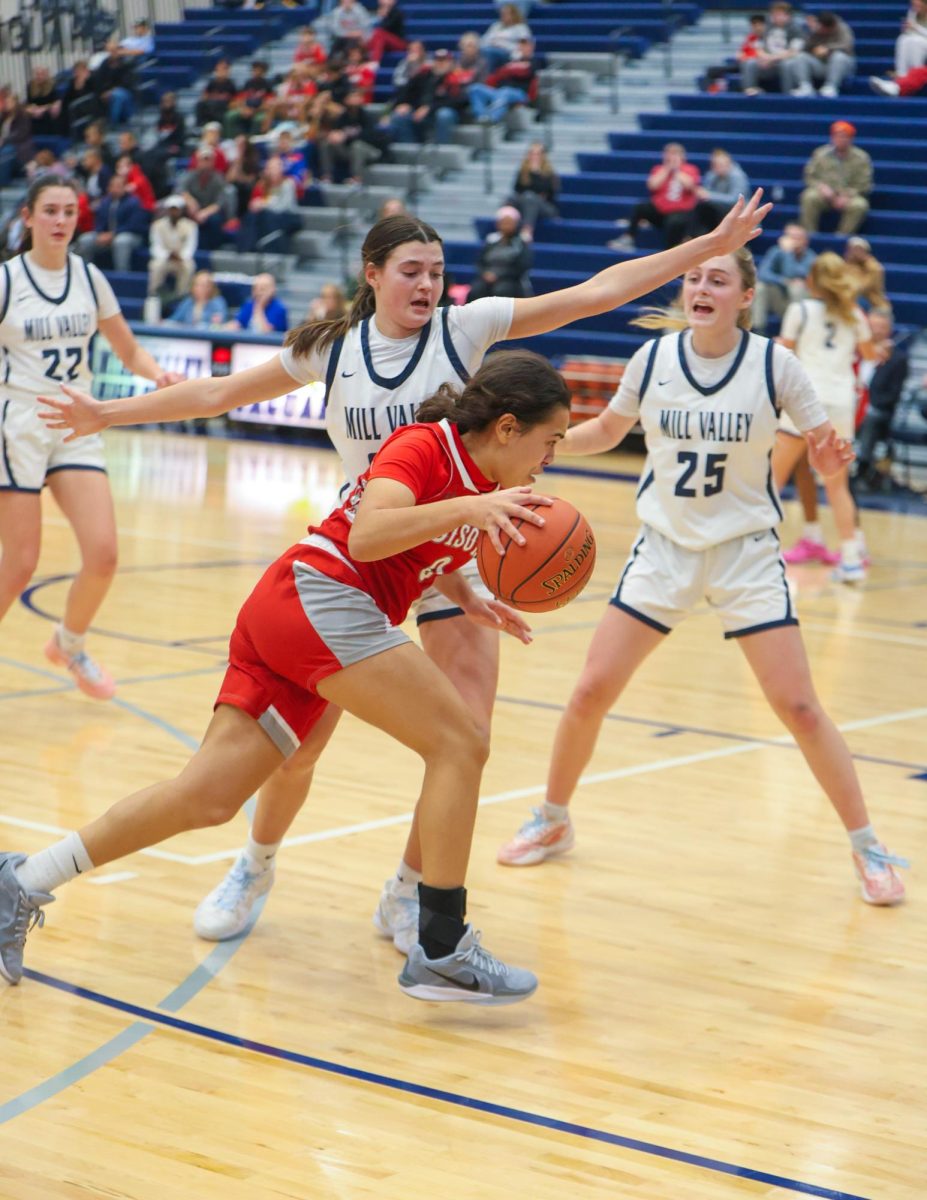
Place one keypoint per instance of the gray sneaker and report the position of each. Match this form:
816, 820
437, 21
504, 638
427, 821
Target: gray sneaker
19, 911
397, 914
470, 974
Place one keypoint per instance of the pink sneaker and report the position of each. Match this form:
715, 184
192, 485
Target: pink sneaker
90, 677
537, 839
807, 551
875, 870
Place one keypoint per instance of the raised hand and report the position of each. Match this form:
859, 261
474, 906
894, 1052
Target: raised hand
742, 223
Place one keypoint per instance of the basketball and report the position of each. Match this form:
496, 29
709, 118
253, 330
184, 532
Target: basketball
550, 569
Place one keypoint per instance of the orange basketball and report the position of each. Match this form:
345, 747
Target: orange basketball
550, 569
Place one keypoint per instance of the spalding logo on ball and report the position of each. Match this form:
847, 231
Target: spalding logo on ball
552, 567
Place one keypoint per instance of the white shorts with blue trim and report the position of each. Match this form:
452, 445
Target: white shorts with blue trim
433, 606
841, 416
743, 580
30, 451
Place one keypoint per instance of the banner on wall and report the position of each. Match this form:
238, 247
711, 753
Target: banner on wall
302, 408
191, 357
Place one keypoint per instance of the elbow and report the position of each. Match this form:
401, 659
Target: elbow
361, 547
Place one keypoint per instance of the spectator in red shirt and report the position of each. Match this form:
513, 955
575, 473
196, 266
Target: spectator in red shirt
390, 31
673, 185
210, 138
137, 182
309, 49
360, 72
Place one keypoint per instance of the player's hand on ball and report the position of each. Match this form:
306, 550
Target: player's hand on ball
829, 455
494, 513
78, 411
496, 615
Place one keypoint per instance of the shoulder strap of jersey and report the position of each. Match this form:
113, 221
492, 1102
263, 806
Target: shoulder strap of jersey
648, 370
7, 290
770, 378
333, 357
449, 348
90, 283
803, 319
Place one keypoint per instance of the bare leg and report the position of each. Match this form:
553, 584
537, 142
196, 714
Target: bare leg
401, 692
842, 504
780, 664
235, 758
620, 645
285, 792
20, 539
807, 488
86, 501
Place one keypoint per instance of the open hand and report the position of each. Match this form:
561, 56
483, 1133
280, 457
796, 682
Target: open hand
830, 455
495, 511
742, 223
77, 411
496, 615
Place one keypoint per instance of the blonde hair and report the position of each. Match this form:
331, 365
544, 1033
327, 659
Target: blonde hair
830, 280
674, 317
546, 167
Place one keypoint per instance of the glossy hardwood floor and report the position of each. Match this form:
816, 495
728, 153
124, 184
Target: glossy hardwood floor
719, 1013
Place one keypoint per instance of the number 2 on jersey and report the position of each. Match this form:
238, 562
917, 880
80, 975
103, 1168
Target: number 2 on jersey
73, 354
714, 474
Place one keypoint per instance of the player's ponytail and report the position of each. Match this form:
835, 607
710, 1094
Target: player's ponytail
830, 280
674, 318
511, 381
36, 188
381, 240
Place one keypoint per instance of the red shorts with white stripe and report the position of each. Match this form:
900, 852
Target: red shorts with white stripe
303, 622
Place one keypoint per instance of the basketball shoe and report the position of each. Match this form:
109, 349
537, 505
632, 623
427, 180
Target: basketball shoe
878, 880
538, 838
19, 911
806, 550
90, 677
226, 911
471, 975
849, 573
397, 914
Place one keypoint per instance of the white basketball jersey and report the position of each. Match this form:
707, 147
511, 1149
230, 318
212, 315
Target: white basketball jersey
369, 398
826, 347
707, 478
44, 338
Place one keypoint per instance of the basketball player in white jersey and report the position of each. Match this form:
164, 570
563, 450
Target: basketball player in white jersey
51, 305
392, 350
827, 331
709, 399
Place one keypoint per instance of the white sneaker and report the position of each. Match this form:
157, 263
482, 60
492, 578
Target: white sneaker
885, 87
803, 89
849, 573
226, 911
829, 91
397, 914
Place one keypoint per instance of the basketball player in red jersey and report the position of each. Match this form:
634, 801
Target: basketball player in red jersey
321, 628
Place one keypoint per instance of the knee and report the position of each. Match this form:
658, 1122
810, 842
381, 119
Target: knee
19, 566
462, 741
592, 697
801, 715
102, 560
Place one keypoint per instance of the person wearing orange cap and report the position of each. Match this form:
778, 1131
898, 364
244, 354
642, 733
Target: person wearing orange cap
837, 176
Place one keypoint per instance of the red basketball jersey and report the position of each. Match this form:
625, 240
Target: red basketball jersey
430, 459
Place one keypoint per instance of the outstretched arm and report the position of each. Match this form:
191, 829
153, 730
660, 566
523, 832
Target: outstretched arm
603, 432
133, 356
626, 281
180, 402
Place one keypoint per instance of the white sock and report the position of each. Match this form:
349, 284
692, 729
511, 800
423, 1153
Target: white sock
813, 532
861, 542
849, 553
405, 874
556, 812
70, 643
50, 868
861, 839
261, 854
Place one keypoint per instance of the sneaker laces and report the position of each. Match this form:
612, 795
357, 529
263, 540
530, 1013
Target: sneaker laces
477, 956
239, 879
535, 821
28, 915
878, 856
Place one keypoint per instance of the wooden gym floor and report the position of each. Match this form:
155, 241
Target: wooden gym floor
719, 1014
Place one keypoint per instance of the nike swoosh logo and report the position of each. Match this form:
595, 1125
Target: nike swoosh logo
347, 374
664, 382
472, 986
76, 867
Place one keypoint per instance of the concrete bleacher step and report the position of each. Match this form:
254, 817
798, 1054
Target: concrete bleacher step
333, 222
237, 262
399, 177
440, 159
365, 202
305, 244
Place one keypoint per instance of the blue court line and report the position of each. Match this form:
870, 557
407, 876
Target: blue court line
671, 727
522, 1116
127, 1038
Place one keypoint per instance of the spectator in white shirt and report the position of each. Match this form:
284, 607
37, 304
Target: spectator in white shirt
172, 243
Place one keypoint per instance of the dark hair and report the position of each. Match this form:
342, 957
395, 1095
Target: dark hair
36, 188
519, 382
827, 20
381, 240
